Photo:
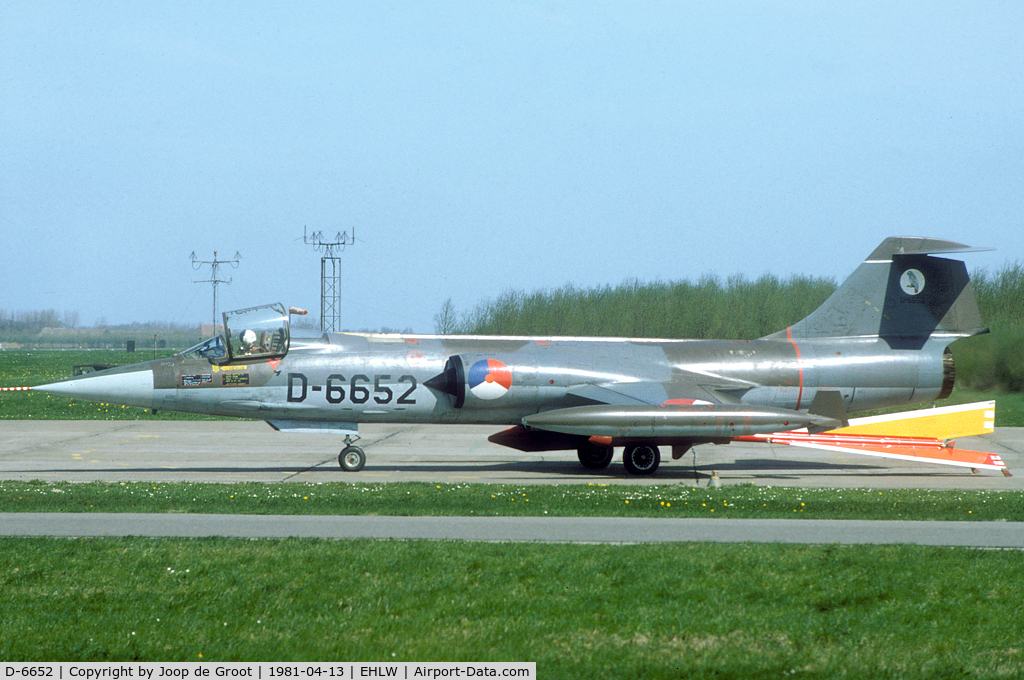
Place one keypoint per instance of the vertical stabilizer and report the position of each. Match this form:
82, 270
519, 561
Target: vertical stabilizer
901, 294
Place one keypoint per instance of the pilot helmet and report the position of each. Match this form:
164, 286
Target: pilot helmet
248, 337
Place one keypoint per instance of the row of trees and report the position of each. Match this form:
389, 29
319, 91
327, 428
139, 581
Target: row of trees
996, 360
736, 308
709, 308
49, 328
35, 321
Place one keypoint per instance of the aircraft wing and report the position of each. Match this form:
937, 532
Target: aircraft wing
645, 393
685, 387
690, 407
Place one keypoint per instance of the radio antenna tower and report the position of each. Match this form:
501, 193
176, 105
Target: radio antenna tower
214, 264
330, 275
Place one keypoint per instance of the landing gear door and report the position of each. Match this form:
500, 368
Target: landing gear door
257, 332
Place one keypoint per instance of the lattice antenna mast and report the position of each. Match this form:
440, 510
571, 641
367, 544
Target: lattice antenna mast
330, 275
214, 265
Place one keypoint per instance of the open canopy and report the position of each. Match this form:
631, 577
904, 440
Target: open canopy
257, 332
254, 333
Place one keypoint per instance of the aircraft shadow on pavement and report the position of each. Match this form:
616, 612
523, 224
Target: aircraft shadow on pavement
564, 468
166, 470
759, 468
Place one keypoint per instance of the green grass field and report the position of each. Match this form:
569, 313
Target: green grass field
586, 611
19, 368
692, 611
576, 500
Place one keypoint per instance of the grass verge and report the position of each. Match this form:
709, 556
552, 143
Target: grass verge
413, 498
694, 611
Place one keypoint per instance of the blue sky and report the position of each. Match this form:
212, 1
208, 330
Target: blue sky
480, 146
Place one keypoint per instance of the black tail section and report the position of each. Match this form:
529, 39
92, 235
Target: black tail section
901, 294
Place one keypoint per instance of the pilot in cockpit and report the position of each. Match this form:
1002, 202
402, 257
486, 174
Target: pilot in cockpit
249, 345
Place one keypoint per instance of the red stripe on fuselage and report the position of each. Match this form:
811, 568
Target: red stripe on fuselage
799, 365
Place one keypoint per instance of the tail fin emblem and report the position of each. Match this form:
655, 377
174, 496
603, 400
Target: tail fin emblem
912, 281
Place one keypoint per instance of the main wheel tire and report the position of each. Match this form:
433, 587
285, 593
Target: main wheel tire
641, 459
351, 459
595, 456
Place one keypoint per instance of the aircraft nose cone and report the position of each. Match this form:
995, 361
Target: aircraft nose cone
128, 387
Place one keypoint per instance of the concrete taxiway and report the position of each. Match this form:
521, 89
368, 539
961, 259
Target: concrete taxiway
237, 451
622, 530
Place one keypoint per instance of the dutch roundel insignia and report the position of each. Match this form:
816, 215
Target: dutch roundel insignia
489, 379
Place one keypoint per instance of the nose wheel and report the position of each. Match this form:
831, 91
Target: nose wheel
352, 459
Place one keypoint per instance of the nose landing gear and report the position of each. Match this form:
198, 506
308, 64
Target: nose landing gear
352, 458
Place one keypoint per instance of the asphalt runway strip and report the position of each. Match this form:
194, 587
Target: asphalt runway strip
623, 530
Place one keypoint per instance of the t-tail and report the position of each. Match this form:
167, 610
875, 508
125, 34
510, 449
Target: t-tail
901, 294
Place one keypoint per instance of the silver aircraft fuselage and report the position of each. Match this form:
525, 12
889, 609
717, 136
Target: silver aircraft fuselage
880, 340
364, 378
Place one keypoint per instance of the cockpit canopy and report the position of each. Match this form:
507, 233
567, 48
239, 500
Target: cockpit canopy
254, 333
259, 332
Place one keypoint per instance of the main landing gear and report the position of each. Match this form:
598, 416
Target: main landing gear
595, 456
639, 459
352, 458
